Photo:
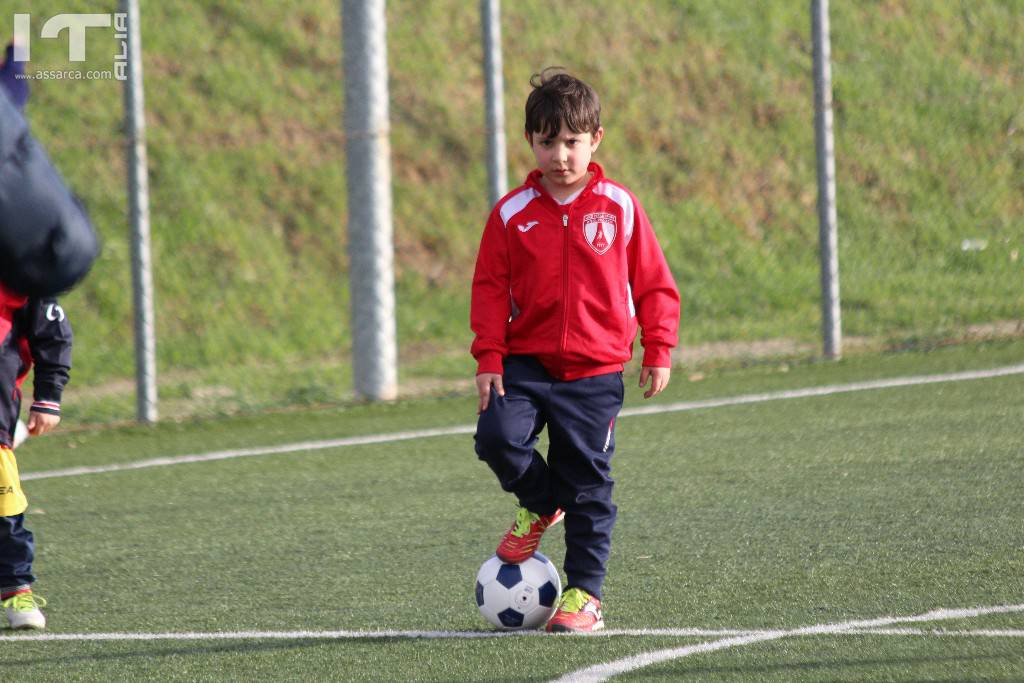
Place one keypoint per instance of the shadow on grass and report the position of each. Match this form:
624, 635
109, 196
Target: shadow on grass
236, 648
842, 666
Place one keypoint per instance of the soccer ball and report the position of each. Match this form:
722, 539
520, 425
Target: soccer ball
514, 596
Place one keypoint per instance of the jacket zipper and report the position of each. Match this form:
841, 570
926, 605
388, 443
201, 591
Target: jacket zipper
565, 282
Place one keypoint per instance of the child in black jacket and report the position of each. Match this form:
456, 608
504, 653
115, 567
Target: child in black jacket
33, 333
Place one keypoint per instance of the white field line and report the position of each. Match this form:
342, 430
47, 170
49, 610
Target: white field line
343, 635
602, 672
472, 635
249, 452
470, 429
828, 390
972, 633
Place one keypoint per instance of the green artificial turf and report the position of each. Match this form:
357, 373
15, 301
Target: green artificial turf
776, 515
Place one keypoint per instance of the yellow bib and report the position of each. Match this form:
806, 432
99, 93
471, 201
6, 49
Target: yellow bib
12, 498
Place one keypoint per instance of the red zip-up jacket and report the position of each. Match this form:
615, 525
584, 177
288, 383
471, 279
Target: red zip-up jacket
568, 284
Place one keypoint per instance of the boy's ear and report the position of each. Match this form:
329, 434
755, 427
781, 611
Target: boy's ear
596, 138
529, 137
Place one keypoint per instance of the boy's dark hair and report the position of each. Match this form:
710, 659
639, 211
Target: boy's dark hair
560, 98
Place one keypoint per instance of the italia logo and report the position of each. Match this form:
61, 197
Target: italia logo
600, 231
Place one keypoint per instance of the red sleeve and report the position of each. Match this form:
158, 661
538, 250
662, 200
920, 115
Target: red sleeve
655, 295
491, 303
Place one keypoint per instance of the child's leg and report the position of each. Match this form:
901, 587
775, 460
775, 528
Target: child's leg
507, 431
17, 551
16, 547
581, 427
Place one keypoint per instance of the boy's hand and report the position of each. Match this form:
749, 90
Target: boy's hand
483, 387
659, 380
40, 423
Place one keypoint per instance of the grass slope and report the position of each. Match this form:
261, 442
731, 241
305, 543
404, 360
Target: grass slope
708, 109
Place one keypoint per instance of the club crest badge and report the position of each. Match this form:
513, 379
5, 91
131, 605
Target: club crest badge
600, 231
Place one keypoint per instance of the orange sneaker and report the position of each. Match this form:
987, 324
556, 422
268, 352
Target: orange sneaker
520, 542
578, 612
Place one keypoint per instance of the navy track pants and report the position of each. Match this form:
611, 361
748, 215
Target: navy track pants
17, 550
580, 417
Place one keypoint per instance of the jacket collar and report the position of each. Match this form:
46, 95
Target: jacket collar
594, 168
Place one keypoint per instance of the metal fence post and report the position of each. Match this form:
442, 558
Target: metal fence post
368, 168
138, 205
497, 165
825, 149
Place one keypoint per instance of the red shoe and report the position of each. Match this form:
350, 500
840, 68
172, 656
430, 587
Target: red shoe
578, 612
521, 541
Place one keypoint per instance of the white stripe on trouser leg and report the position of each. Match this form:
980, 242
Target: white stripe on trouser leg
608, 439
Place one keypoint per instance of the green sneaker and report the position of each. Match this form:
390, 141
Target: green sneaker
23, 610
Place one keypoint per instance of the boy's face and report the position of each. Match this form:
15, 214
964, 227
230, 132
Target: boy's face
563, 158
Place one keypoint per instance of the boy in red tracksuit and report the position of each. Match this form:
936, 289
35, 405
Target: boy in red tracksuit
568, 267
